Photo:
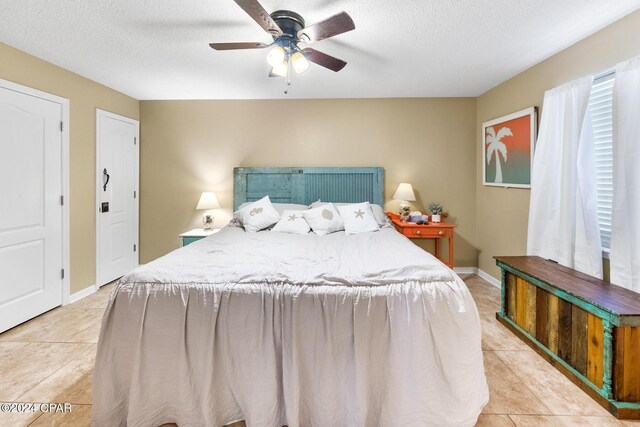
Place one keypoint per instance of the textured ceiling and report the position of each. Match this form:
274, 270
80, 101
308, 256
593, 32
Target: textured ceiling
405, 48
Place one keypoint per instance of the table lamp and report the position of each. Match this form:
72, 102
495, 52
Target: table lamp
208, 201
405, 194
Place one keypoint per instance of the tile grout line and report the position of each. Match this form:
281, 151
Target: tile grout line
54, 372
540, 399
525, 385
42, 413
35, 419
528, 388
60, 342
511, 370
84, 330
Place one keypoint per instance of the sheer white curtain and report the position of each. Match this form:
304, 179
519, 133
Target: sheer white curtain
625, 220
563, 222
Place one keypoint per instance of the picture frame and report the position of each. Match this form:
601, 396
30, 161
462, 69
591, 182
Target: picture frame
508, 145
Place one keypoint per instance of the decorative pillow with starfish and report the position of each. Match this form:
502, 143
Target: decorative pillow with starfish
358, 218
292, 222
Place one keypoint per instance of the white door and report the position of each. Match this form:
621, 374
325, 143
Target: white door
31, 211
117, 221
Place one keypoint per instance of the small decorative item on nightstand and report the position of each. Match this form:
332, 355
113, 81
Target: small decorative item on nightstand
415, 216
208, 200
435, 209
405, 194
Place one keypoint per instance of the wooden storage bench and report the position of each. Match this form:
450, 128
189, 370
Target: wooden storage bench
587, 328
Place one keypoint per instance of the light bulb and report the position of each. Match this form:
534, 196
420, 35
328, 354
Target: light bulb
275, 56
280, 69
299, 62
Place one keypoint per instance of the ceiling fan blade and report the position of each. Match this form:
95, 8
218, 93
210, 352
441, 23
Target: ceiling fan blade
323, 59
257, 12
337, 24
240, 45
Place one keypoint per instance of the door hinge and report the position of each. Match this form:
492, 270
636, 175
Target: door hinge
134, 248
62, 200
62, 273
61, 126
134, 194
135, 140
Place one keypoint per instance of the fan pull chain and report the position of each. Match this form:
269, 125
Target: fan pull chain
288, 78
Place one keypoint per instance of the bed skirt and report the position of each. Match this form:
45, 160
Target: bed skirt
284, 354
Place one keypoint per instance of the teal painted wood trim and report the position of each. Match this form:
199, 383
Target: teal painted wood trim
582, 378
607, 360
625, 405
585, 305
188, 240
239, 188
503, 292
306, 185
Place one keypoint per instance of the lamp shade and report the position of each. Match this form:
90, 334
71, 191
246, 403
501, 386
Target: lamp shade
275, 56
208, 200
281, 69
299, 62
404, 192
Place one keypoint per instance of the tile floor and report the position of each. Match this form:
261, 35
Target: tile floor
51, 358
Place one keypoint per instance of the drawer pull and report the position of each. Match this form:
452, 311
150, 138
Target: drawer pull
418, 232
440, 233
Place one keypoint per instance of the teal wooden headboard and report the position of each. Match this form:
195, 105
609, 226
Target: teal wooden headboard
306, 185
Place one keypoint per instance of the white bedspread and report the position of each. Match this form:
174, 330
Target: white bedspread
275, 329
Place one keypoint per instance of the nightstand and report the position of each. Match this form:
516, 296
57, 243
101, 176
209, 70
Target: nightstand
196, 234
433, 230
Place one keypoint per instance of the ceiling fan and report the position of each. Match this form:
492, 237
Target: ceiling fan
288, 30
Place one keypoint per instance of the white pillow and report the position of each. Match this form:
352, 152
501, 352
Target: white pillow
358, 218
279, 207
324, 219
378, 213
292, 221
258, 215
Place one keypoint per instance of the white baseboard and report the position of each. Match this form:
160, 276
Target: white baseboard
483, 274
465, 270
77, 296
489, 278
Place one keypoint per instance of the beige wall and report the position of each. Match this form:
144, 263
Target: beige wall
502, 214
191, 146
84, 96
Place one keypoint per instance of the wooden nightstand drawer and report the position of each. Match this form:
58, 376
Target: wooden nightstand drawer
425, 233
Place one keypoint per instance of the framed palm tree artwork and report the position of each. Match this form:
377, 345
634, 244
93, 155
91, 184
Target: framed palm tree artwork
507, 146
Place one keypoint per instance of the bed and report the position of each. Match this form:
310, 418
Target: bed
299, 330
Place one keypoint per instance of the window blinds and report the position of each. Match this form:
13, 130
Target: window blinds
601, 110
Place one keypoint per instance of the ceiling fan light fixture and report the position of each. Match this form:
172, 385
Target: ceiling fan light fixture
287, 29
276, 56
280, 69
299, 62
